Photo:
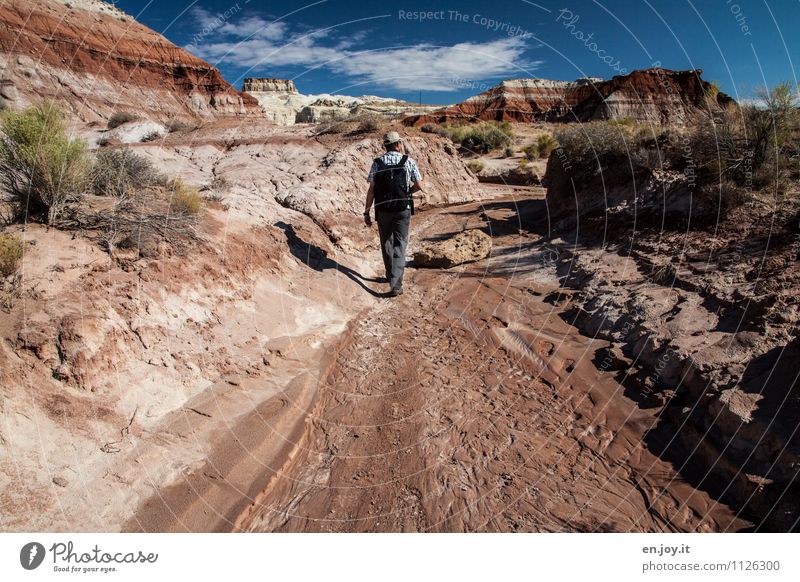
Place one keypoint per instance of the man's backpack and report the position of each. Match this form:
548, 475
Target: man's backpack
391, 186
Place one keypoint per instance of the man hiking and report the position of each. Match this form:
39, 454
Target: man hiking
393, 178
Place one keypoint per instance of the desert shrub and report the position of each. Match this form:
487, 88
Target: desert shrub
333, 127
713, 90
541, 148
589, 147
185, 199
435, 128
152, 136
120, 118
354, 123
749, 144
508, 152
523, 163
475, 166
120, 173
177, 125
623, 121
482, 137
220, 183
43, 169
530, 151
11, 251
369, 122
545, 144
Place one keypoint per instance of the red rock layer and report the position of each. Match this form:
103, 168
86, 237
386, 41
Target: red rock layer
649, 95
98, 63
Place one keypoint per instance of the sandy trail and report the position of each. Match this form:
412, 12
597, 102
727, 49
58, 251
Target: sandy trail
470, 404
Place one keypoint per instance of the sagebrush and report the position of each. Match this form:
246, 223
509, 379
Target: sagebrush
42, 167
121, 173
120, 118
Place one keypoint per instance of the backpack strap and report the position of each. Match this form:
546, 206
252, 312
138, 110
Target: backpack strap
402, 162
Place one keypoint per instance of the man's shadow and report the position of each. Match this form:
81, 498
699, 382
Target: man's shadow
318, 259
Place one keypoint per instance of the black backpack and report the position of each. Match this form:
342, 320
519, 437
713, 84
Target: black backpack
391, 186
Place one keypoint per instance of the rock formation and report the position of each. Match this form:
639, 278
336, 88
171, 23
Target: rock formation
650, 95
285, 106
96, 60
260, 85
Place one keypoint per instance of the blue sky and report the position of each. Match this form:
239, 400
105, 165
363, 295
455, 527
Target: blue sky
451, 50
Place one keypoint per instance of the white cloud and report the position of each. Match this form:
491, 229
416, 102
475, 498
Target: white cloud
258, 44
254, 27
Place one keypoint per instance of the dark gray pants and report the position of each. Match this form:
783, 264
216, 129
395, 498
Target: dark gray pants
393, 230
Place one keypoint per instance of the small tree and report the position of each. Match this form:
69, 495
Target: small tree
41, 166
769, 129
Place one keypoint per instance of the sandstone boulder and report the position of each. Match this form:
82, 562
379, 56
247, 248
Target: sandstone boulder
465, 247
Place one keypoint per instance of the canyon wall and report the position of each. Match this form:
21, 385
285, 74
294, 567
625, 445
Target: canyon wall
649, 95
96, 60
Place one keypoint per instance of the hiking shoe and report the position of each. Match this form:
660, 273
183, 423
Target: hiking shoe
395, 292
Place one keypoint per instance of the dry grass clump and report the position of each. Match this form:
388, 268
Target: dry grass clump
185, 199
11, 250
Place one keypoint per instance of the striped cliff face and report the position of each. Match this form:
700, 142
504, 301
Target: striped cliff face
96, 60
652, 95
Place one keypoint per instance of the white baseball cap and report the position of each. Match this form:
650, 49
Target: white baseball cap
391, 137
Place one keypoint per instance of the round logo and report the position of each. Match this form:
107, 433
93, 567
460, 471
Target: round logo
31, 555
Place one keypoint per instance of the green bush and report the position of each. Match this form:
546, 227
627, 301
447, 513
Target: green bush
185, 199
545, 144
11, 251
482, 137
121, 118
121, 173
542, 148
475, 166
42, 168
